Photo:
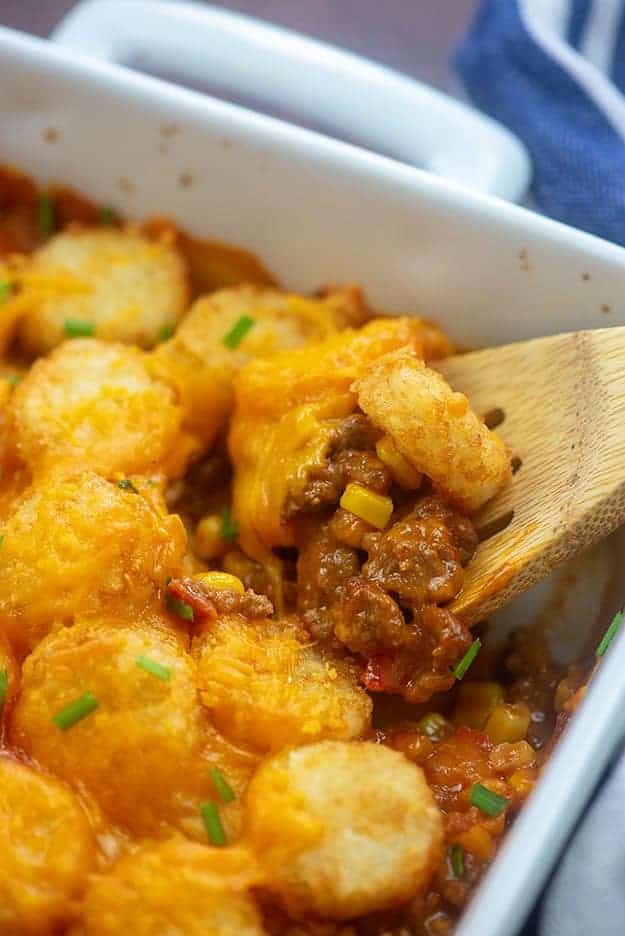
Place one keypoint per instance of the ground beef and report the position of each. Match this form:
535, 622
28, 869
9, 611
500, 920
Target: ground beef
418, 671
208, 603
385, 610
462, 530
323, 569
417, 560
368, 621
354, 432
351, 457
349, 529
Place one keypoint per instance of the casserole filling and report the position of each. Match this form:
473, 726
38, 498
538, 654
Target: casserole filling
233, 696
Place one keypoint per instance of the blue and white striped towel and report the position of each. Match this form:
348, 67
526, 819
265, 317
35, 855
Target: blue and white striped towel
553, 71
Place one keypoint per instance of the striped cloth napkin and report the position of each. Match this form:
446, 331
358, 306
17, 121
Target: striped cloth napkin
554, 72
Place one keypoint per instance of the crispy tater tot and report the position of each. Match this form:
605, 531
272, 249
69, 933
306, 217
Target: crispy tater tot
205, 353
146, 752
46, 851
435, 428
97, 405
114, 283
266, 688
342, 828
175, 887
77, 544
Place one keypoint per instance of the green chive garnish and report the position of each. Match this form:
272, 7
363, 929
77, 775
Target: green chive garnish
154, 668
106, 215
45, 214
462, 665
77, 328
222, 786
610, 634
5, 289
126, 485
1, 538
180, 608
75, 711
212, 824
13, 379
229, 527
238, 331
166, 332
457, 860
487, 801
4, 687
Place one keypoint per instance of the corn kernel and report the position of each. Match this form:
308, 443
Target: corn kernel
508, 723
511, 755
402, 471
208, 542
522, 781
474, 703
374, 508
477, 841
220, 581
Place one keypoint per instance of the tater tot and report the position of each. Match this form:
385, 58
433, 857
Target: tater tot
267, 689
342, 828
9, 677
176, 888
95, 404
435, 428
145, 753
119, 283
202, 360
46, 851
77, 544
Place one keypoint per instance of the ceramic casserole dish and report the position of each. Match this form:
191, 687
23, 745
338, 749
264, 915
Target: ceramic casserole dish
316, 210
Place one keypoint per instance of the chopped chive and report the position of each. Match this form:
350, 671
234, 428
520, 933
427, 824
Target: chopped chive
610, 634
180, 608
229, 527
4, 687
126, 485
45, 214
106, 215
77, 328
457, 860
166, 332
212, 824
488, 802
238, 331
222, 786
13, 379
5, 289
1, 538
463, 665
151, 666
75, 711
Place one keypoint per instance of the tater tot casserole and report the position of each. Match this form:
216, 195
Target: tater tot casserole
234, 700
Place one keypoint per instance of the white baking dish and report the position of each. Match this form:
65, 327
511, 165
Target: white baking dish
317, 210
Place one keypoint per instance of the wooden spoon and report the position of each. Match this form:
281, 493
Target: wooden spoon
559, 404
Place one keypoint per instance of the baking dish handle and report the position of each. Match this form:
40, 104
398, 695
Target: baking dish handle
308, 81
